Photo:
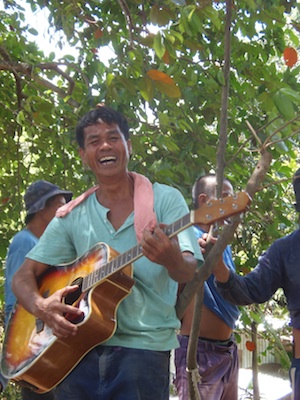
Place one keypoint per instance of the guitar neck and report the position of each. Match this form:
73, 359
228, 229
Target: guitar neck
132, 254
212, 211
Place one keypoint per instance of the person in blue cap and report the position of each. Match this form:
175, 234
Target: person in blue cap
42, 199
278, 267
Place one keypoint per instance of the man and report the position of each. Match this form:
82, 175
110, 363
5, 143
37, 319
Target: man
134, 362
277, 268
42, 199
217, 355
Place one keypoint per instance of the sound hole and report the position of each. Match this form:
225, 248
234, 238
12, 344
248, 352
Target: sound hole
71, 299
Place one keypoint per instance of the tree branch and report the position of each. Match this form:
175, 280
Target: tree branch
128, 18
28, 70
192, 366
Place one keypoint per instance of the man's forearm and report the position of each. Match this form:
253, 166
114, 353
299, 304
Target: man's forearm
221, 272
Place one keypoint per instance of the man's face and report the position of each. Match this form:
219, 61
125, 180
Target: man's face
227, 189
52, 205
105, 151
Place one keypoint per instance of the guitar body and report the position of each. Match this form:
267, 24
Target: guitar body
32, 355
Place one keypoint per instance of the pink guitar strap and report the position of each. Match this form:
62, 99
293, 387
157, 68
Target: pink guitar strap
143, 199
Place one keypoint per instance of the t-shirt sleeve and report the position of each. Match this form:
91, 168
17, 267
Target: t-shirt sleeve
55, 245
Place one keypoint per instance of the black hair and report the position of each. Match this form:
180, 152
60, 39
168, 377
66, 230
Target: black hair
28, 218
106, 114
205, 184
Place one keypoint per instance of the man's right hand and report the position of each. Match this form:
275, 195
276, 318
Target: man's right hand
52, 310
220, 270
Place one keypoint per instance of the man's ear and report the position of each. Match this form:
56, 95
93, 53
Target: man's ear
129, 147
202, 199
83, 156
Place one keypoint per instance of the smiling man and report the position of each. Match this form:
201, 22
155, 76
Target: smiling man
124, 211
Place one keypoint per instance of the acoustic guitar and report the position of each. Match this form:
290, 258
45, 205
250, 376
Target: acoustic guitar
35, 358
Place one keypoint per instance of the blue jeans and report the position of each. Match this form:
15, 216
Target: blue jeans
295, 378
118, 373
217, 366
30, 395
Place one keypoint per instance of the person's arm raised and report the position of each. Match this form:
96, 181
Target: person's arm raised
220, 270
159, 248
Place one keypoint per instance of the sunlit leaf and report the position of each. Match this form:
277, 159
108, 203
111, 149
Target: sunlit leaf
146, 88
290, 56
156, 75
172, 91
158, 45
292, 94
127, 83
148, 40
166, 57
33, 31
98, 33
284, 105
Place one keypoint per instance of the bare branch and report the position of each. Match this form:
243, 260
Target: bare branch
267, 141
28, 70
128, 17
254, 133
283, 139
192, 366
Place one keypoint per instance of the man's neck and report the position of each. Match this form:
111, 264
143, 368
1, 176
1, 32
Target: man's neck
203, 227
114, 192
37, 227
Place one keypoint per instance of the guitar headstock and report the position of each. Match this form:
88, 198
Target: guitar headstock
220, 209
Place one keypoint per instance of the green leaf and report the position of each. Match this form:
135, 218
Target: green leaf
284, 105
68, 57
109, 79
158, 45
146, 88
290, 93
20, 118
171, 91
213, 15
127, 83
33, 31
148, 40
177, 35
220, 77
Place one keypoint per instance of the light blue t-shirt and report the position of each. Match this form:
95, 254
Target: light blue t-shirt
146, 318
21, 244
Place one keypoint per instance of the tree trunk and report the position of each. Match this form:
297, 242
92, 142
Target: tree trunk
256, 395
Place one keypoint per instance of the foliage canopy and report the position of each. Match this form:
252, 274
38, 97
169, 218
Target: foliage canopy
161, 63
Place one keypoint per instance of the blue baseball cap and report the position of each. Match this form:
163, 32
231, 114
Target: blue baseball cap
39, 192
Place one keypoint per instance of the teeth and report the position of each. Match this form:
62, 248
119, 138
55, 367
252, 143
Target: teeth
107, 159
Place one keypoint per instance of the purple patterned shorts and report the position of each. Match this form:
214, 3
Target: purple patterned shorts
217, 365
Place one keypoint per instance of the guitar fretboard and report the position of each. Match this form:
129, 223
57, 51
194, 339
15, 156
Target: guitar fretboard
131, 255
209, 213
